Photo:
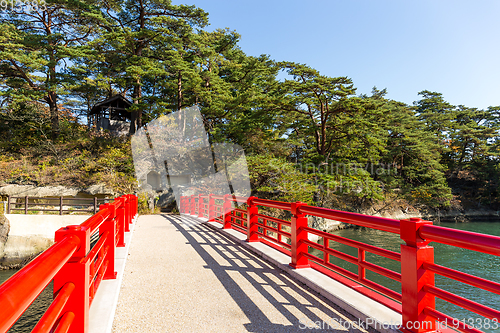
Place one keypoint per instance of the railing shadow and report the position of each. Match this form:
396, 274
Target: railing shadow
250, 281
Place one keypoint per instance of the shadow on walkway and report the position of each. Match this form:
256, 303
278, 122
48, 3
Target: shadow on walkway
271, 300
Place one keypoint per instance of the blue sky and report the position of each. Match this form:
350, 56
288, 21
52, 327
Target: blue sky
452, 47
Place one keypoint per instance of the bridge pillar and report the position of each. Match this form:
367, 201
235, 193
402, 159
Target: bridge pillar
414, 278
299, 221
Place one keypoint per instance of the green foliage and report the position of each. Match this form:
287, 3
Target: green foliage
414, 154
307, 138
35, 44
273, 177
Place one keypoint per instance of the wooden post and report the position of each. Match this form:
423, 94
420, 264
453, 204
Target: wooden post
60, 205
8, 204
26, 205
95, 205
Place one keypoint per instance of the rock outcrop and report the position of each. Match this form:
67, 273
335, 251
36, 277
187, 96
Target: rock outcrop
54, 191
4, 231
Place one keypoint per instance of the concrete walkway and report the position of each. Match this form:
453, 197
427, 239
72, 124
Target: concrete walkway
182, 276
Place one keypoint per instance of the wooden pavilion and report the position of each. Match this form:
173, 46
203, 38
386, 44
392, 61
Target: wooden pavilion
112, 114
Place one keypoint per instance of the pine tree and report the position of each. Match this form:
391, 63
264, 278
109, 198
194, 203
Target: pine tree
35, 45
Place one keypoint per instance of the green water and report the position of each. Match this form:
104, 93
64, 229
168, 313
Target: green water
479, 264
29, 319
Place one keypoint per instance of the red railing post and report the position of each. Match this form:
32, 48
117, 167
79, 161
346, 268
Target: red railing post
131, 209
227, 209
200, 206
361, 259
125, 206
77, 272
191, 205
299, 221
120, 223
126, 212
252, 220
414, 277
135, 203
211, 208
110, 226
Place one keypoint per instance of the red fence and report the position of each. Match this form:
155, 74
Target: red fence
76, 268
416, 302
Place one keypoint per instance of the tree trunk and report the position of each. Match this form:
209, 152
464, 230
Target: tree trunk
51, 100
136, 116
179, 91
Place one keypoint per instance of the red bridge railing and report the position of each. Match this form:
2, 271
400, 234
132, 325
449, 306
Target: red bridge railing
416, 302
76, 268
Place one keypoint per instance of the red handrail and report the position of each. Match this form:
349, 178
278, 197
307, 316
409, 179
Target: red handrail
95, 221
461, 238
66, 262
416, 257
273, 204
18, 292
373, 222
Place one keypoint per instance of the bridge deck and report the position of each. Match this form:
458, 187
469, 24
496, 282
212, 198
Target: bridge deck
182, 276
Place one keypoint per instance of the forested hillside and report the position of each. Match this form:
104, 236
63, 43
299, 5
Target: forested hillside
307, 137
